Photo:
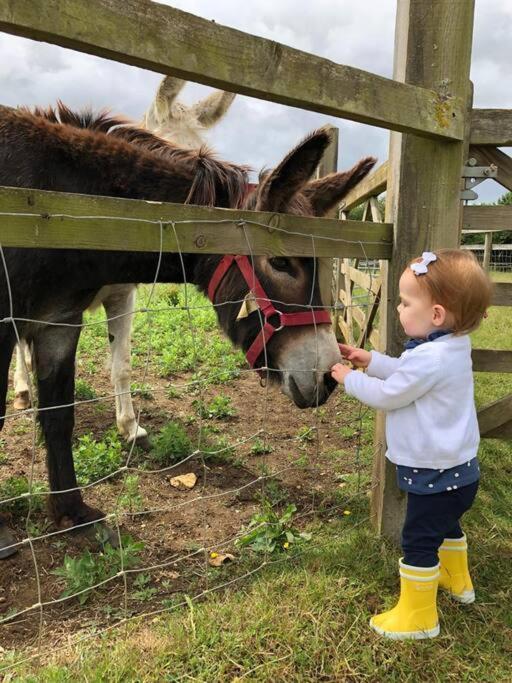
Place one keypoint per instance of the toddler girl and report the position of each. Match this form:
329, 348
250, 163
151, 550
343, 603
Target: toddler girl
431, 429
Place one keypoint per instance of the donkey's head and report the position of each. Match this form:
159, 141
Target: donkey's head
280, 293
183, 124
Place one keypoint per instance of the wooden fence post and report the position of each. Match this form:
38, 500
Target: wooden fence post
433, 50
487, 251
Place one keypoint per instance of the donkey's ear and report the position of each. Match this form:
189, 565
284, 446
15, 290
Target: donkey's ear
212, 108
326, 192
294, 171
159, 111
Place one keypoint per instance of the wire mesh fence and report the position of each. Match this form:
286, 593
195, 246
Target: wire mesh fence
500, 256
262, 474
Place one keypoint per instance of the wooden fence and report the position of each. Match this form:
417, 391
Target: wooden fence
426, 105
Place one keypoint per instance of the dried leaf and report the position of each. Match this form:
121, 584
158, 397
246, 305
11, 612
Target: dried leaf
218, 559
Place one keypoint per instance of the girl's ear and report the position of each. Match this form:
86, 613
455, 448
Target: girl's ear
438, 315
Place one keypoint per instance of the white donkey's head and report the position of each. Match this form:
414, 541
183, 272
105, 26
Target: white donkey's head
181, 123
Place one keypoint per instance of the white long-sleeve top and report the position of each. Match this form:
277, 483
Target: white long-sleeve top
427, 394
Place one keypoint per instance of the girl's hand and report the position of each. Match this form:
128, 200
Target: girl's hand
358, 357
339, 372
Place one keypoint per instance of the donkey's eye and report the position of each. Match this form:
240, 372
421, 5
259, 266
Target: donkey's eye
281, 264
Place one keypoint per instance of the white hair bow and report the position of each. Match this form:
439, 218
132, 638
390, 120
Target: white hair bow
421, 268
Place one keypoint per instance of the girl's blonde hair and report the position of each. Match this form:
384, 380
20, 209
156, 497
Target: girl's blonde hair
457, 282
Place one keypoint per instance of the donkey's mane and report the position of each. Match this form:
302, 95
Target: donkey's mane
210, 173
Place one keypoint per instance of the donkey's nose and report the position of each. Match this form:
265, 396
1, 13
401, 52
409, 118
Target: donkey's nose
329, 383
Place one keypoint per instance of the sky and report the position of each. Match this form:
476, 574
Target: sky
255, 132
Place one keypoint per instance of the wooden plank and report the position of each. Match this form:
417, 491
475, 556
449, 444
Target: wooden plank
491, 360
494, 416
364, 280
502, 294
490, 155
360, 316
370, 318
374, 339
485, 218
372, 314
372, 185
56, 220
480, 232
504, 432
163, 39
345, 330
486, 264
432, 47
491, 127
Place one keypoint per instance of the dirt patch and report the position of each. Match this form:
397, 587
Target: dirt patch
304, 467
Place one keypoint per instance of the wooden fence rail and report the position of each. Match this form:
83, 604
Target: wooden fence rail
36, 218
163, 39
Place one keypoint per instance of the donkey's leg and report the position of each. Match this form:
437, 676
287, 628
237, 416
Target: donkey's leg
119, 307
21, 377
54, 352
7, 340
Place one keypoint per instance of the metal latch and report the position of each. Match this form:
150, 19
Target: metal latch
474, 175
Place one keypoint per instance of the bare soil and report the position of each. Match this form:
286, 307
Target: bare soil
174, 523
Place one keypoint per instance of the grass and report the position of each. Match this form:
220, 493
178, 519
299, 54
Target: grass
305, 619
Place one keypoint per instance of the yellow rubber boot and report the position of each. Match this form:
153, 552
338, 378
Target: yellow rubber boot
415, 614
454, 575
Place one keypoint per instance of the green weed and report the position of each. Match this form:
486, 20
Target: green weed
260, 447
131, 500
269, 532
171, 445
13, 487
97, 459
306, 434
219, 408
84, 391
81, 573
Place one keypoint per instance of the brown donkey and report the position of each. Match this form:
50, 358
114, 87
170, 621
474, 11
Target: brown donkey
184, 125
57, 285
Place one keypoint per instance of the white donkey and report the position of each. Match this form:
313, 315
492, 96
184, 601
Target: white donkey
184, 125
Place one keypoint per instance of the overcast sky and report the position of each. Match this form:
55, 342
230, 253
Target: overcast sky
357, 33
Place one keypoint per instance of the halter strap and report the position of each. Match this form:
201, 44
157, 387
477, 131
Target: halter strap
309, 317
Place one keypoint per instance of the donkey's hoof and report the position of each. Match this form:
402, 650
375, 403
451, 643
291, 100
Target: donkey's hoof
141, 439
104, 534
22, 400
7, 543
142, 442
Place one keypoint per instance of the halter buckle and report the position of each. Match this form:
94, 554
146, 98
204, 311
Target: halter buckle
281, 323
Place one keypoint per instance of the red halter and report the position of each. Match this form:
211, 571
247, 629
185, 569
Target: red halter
310, 317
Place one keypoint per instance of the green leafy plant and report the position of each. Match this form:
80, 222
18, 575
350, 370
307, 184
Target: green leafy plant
143, 590
217, 451
272, 492
270, 532
259, 447
88, 569
142, 390
306, 434
219, 408
97, 459
347, 432
84, 391
13, 487
171, 445
131, 499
